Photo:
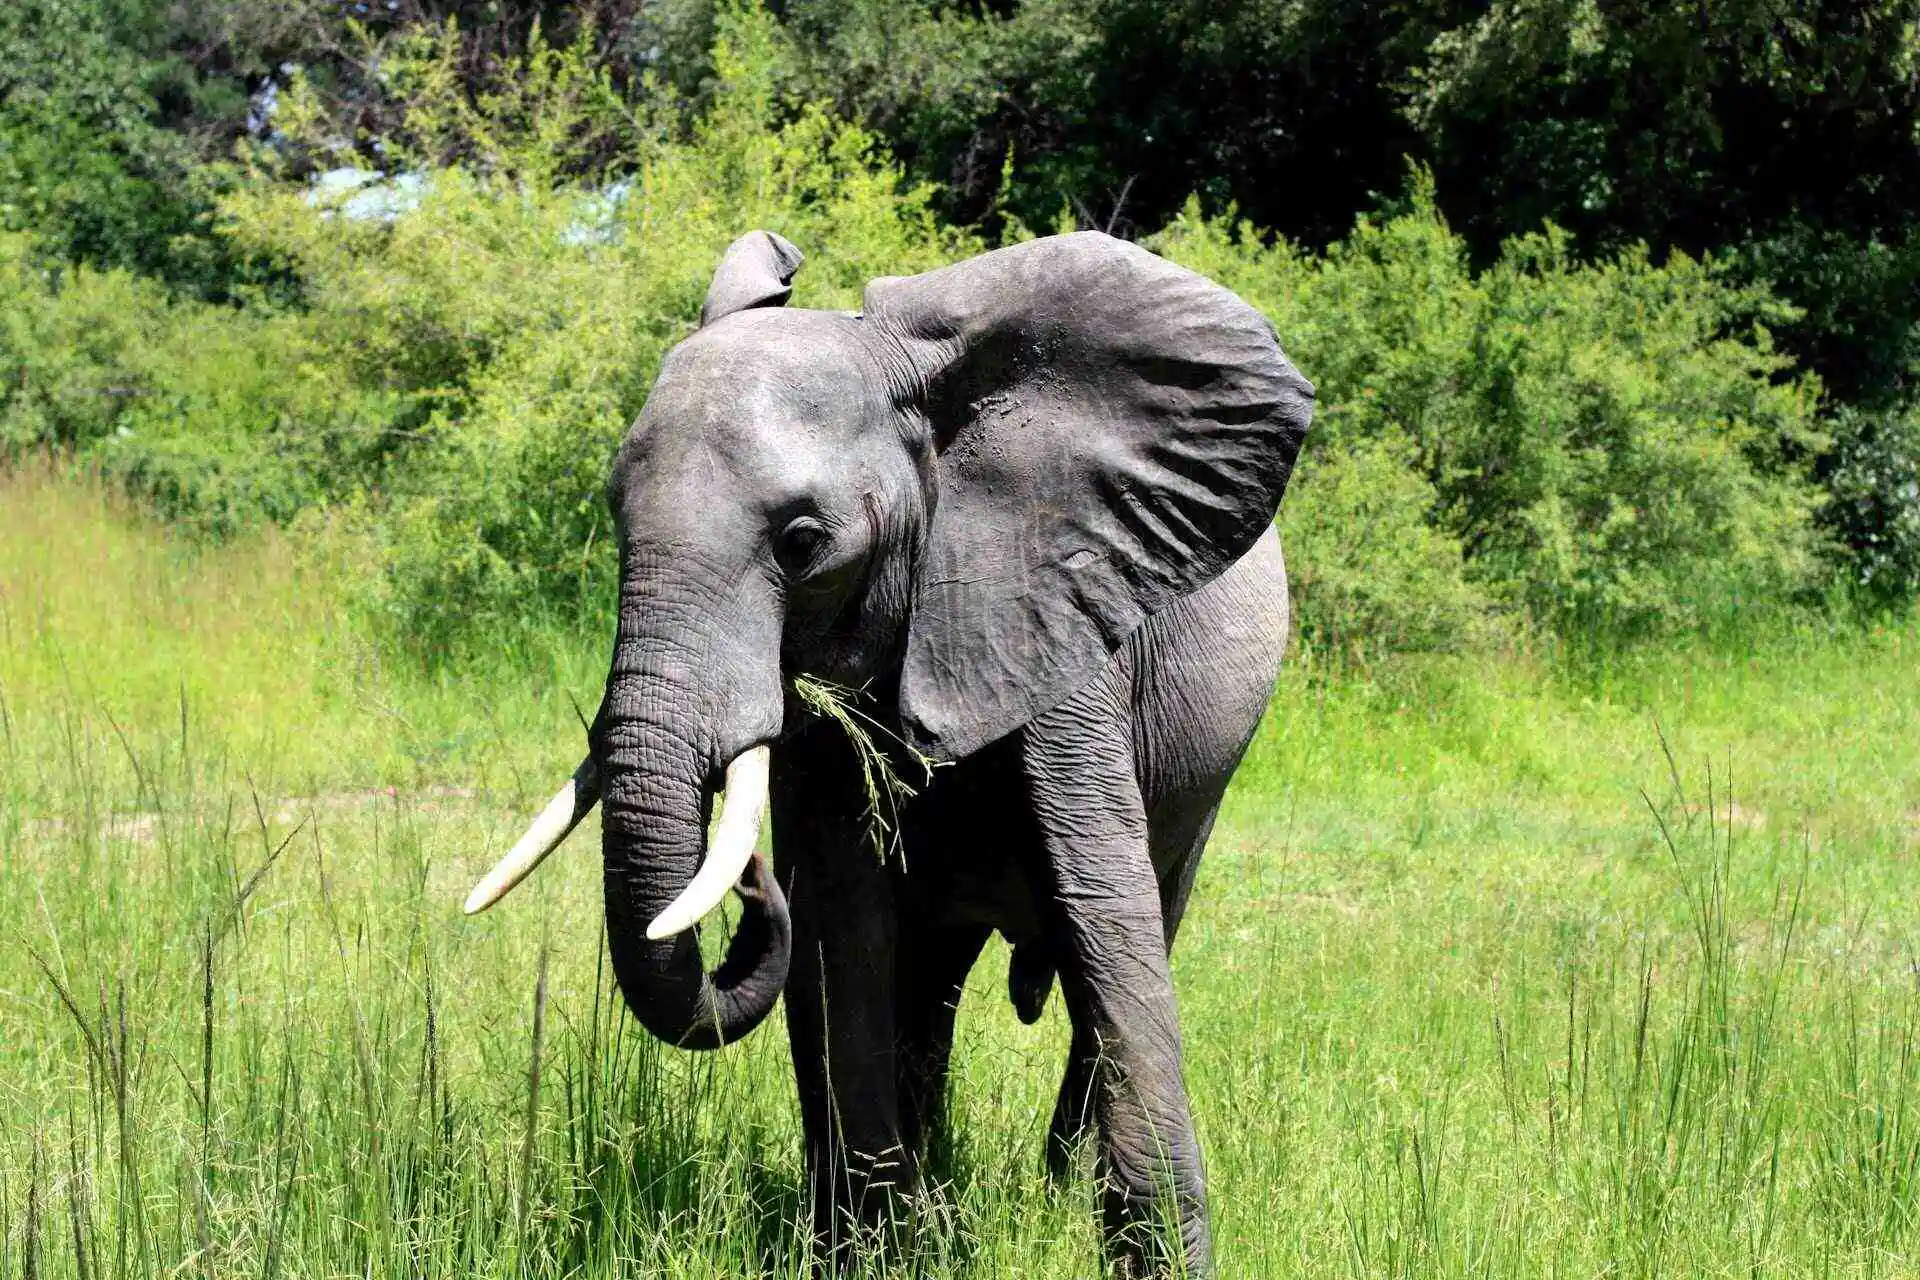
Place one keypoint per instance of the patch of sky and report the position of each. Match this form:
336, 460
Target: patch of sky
368, 195
597, 218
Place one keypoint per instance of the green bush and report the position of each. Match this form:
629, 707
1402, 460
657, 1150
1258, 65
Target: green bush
1602, 442
517, 315
72, 345
1370, 571
222, 416
1875, 481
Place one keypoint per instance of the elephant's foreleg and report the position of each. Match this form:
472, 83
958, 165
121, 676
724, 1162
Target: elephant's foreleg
840, 1005
840, 1022
1186, 835
1099, 876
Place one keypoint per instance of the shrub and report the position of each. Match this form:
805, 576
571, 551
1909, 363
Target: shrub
72, 344
1602, 441
221, 416
517, 314
1370, 571
1875, 481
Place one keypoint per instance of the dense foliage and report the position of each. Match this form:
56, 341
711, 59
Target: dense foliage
1581, 443
408, 273
1786, 131
1584, 444
1543, 440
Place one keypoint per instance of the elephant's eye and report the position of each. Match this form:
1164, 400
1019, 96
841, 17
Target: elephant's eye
799, 544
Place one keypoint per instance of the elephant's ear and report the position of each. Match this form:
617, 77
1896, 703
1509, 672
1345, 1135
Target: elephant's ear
757, 271
1112, 432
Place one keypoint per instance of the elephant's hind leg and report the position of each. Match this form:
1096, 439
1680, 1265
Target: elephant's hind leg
930, 972
1030, 975
1073, 1109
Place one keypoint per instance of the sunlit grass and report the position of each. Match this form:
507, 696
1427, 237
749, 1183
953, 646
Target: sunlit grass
1476, 982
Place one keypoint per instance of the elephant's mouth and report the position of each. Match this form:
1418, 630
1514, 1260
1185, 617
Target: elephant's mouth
743, 810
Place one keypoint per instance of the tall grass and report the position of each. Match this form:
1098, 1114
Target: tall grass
1498, 966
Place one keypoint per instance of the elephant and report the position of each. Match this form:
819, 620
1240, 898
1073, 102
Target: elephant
1025, 502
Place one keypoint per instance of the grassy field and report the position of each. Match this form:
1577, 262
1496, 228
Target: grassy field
1498, 967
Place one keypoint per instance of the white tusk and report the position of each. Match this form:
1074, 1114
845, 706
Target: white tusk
555, 823
730, 849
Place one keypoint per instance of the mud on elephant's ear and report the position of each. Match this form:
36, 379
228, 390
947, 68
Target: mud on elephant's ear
1112, 432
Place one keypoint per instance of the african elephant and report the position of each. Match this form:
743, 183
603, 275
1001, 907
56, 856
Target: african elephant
1026, 502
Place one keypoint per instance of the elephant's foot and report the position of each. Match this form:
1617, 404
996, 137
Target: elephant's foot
1155, 1221
864, 1214
1073, 1110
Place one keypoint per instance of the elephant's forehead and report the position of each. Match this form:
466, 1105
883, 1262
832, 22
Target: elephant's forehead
766, 370
763, 403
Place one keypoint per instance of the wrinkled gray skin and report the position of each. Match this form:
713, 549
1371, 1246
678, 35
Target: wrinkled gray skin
1027, 501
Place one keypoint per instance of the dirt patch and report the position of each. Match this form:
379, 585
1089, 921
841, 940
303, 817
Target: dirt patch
1740, 817
423, 799
134, 827
1337, 903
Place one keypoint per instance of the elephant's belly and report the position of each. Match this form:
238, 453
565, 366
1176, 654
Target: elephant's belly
969, 842
1003, 901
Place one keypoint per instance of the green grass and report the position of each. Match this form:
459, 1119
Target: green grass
1475, 982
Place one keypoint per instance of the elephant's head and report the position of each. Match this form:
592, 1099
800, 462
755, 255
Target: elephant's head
969, 493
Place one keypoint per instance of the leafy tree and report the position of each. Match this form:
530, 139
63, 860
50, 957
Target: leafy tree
1787, 131
1118, 110
85, 154
118, 117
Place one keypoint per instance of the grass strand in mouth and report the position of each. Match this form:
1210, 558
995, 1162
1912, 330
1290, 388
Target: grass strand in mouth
885, 789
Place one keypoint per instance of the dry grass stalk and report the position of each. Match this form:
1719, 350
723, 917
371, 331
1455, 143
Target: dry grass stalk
885, 789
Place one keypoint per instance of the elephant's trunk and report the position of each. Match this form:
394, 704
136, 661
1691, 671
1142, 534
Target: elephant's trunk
656, 775
684, 696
